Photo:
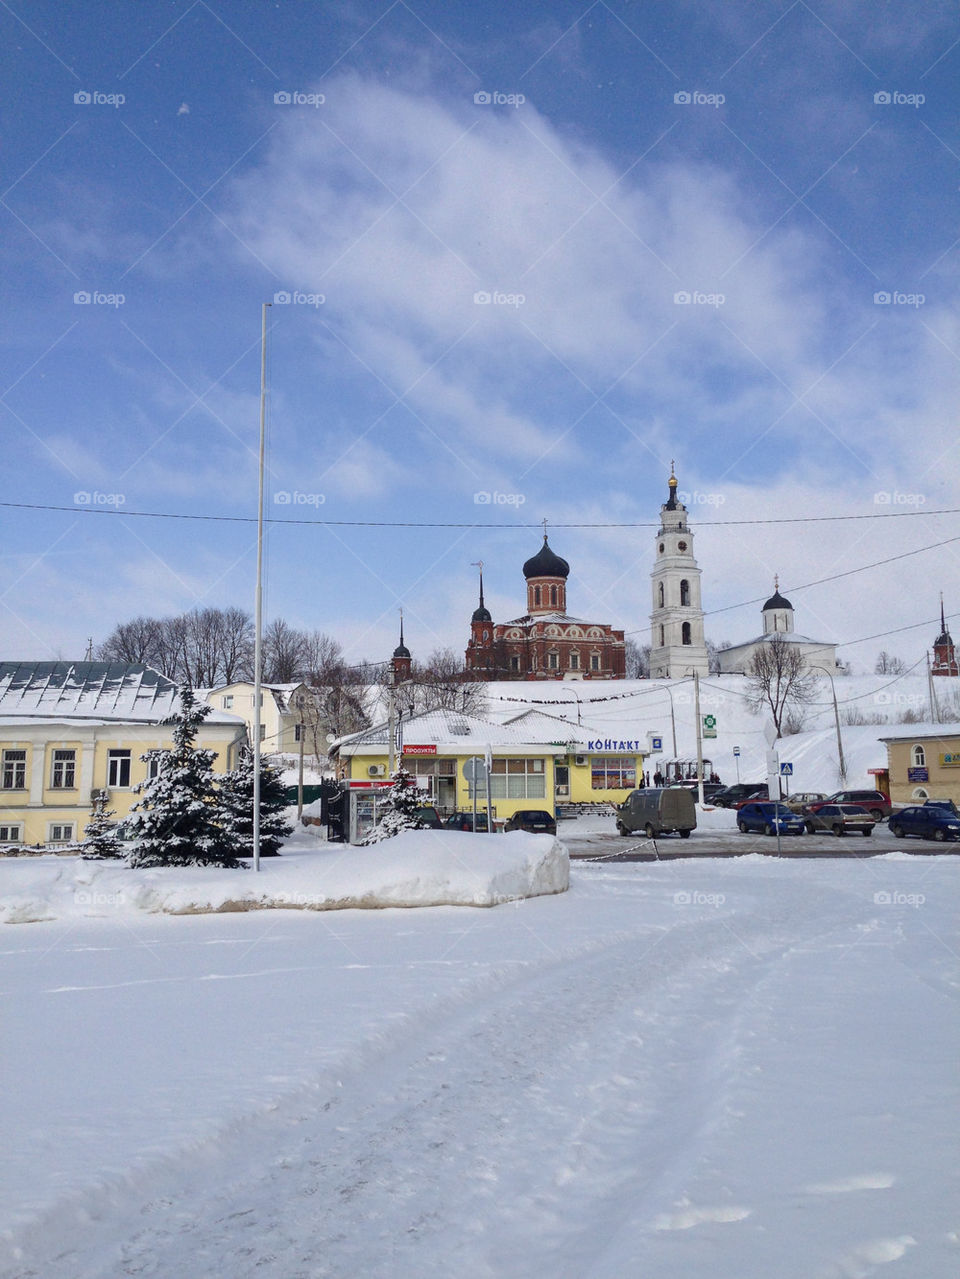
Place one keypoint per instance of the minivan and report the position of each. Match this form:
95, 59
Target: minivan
658, 810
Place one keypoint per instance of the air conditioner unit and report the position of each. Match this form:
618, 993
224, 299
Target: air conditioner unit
563, 790
580, 759
377, 770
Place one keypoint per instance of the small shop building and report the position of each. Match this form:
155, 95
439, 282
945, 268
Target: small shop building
924, 763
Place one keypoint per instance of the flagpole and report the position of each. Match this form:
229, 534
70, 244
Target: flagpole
258, 609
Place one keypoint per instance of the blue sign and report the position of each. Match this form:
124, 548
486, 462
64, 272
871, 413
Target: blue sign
786, 770
656, 743
736, 750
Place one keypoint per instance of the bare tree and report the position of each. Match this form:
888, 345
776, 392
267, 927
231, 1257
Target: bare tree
284, 652
713, 655
134, 641
443, 683
637, 660
887, 664
778, 677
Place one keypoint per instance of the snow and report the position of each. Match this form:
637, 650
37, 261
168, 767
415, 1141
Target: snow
417, 868
740, 1067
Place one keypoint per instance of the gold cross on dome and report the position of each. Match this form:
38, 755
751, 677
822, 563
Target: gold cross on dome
544, 523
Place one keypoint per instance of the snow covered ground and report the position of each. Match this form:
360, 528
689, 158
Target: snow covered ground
724, 1068
417, 868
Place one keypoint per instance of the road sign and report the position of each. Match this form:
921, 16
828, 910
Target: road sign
709, 725
475, 770
656, 744
786, 770
736, 750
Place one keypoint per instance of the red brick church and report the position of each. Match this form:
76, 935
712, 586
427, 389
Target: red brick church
546, 643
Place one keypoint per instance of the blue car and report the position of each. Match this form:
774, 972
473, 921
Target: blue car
926, 821
767, 816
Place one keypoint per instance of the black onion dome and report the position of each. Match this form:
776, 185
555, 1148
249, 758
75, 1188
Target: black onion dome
401, 650
776, 600
481, 614
546, 564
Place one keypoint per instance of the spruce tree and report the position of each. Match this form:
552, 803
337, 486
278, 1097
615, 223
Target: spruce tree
101, 844
177, 818
236, 807
399, 808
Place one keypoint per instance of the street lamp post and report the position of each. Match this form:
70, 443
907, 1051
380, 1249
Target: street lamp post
836, 720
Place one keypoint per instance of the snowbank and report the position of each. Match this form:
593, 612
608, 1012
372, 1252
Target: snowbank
417, 868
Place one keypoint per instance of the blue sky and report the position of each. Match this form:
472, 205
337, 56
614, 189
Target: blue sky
724, 234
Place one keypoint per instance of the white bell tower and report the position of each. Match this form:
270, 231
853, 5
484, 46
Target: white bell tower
677, 646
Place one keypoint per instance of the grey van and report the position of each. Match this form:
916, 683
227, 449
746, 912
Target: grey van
658, 810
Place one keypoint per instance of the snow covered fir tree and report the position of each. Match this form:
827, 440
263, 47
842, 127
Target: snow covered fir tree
400, 808
177, 819
100, 842
236, 807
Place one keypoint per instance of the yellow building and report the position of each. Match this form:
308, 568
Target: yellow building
537, 761
923, 762
279, 712
70, 729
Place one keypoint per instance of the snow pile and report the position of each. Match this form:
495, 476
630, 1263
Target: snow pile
417, 868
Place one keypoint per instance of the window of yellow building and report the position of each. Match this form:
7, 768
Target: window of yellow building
613, 772
64, 773
517, 779
14, 772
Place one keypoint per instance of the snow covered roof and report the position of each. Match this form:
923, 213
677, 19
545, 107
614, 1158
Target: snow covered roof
789, 637
458, 733
914, 732
104, 691
546, 617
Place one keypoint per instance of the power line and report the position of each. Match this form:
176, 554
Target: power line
250, 519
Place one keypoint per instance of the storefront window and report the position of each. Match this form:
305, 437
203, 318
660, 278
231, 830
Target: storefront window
518, 779
613, 772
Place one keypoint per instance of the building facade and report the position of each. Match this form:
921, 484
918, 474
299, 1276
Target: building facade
778, 622
546, 642
677, 645
923, 763
71, 729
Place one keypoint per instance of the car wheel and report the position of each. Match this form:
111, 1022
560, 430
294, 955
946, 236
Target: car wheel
897, 830
621, 829
811, 829
684, 834
939, 836
742, 827
649, 831
768, 830
876, 814
867, 832
837, 829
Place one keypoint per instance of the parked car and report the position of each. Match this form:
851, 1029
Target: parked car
534, 820
876, 803
464, 821
927, 821
839, 819
731, 795
658, 810
710, 790
947, 804
765, 816
796, 803
430, 817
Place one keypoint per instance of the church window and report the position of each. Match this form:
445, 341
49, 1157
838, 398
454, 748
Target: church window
685, 633
486, 635
660, 594
681, 546
919, 757
515, 663
661, 637
594, 661
684, 592
574, 661
553, 661
536, 596
661, 548
553, 596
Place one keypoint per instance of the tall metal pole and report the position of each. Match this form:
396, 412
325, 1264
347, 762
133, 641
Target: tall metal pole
836, 719
302, 727
258, 611
696, 699
673, 721
934, 708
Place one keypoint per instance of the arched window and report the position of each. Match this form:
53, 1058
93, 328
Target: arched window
553, 596
919, 757
684, 591
536, 596
920, 793
660, 594
661, 637
486, 635
685, 633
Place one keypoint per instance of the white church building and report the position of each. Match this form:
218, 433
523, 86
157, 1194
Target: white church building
778, 622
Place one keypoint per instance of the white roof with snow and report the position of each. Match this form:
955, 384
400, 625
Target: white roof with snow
100, 691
